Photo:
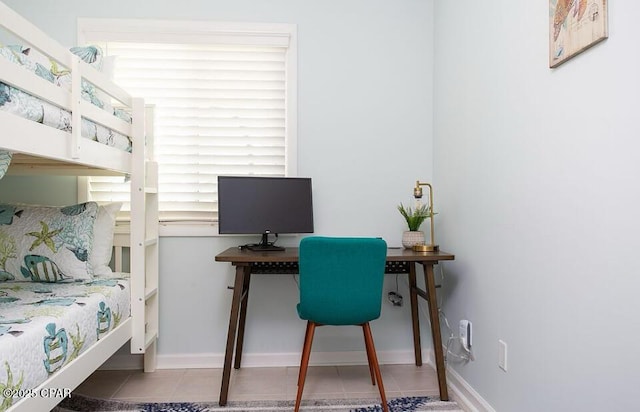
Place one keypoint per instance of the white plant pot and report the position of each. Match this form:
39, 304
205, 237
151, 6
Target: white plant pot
411, 238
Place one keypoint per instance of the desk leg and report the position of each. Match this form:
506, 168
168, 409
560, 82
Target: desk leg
434, 316
413, 294
231, 333
243, 317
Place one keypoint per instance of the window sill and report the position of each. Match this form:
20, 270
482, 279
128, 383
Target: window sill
181, 229
186, 229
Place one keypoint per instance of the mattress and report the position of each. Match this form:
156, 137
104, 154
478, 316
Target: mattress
22, 104
44, 326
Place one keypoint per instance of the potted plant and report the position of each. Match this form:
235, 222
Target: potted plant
414, 218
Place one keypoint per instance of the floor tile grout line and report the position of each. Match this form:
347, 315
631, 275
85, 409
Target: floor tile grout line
124, 381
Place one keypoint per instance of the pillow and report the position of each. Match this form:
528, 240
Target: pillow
100, 256
46, 244
89, 54
5, 160
38, 57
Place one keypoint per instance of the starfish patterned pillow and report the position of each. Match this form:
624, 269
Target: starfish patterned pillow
46, 244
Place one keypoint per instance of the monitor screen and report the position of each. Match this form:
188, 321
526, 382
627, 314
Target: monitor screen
263, 205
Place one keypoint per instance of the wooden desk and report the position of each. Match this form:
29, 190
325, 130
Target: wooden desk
398, 261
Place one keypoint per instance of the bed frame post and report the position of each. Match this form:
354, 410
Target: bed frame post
76, 114
144, 245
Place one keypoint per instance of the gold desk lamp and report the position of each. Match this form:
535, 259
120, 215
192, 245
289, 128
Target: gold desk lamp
417, 193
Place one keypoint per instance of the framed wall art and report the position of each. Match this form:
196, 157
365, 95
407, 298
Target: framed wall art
574, 26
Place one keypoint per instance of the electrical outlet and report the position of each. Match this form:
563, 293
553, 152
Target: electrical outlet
502, 355
395, 298
465, 334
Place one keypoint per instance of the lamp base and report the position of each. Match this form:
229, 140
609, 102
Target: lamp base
426, 248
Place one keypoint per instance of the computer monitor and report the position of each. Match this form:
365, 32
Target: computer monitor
264, 205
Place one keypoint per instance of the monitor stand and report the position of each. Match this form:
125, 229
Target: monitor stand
264, 245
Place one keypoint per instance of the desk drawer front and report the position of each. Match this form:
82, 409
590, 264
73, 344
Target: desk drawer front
274, 267
286, 268
396, 267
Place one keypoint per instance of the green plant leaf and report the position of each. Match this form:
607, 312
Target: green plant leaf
414, 217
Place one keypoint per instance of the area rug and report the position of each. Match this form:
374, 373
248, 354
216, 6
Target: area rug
408, 404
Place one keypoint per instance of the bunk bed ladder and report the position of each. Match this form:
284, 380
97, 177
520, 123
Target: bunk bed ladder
144, 240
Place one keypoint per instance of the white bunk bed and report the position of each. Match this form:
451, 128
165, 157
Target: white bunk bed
40, 149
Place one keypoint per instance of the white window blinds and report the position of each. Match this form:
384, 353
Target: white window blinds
220, 109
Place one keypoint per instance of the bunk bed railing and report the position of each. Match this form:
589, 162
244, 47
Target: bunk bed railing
72, 143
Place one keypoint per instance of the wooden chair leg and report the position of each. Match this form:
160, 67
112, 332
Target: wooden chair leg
304, 362
368, 340
304, 345
369, 362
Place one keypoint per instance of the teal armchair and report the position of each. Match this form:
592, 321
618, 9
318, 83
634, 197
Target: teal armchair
341, 284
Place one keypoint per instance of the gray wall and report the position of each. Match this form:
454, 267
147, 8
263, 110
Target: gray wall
537, 171
364, 136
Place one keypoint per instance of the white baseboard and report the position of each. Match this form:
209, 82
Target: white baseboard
465, 395
127, 361
460, 390
257, 360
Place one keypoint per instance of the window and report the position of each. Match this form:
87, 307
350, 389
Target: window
224, 103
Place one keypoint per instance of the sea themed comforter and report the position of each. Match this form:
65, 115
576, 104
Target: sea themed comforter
45, 326
22, 104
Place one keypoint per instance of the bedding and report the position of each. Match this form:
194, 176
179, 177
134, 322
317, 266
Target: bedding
22, 104
5, 160
45, 326
46, 244
103, 229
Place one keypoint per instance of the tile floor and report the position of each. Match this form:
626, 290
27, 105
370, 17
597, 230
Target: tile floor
202, 385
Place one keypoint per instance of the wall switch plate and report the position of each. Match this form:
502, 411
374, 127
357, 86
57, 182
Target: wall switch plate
465, 334
502, 355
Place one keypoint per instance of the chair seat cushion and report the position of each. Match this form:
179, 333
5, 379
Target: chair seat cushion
339, 317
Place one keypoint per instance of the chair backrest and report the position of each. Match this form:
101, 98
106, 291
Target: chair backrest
341, 279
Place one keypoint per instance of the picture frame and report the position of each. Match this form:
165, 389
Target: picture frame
574, 26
